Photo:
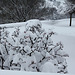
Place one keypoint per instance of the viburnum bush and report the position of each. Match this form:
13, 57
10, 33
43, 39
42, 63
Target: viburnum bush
31, 50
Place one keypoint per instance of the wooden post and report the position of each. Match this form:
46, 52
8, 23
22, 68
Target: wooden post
1, 61
0, 34
70, 19
2, 64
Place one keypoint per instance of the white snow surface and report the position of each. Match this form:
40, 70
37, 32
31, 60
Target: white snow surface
49, 68
60, 26
64, 33
27, 73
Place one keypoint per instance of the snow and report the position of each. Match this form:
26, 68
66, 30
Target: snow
50, 4
60, 5
64, 33
60, 0
60, 26
49, 67
69, 47
27, 73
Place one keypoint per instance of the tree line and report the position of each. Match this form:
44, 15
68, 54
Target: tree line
18, 10
23, 10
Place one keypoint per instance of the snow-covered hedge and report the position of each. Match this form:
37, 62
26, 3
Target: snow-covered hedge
31, 50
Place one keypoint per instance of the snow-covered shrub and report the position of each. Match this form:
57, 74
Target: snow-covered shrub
32, 50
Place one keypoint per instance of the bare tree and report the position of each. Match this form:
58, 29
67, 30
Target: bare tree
70, 9
19, 10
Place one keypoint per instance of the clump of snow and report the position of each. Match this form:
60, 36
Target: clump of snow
49, 67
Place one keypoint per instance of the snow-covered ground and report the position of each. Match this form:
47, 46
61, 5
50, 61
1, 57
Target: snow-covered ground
64, 33
60, 26
26, 73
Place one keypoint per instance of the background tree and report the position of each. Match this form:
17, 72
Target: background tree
18, 10
70, 9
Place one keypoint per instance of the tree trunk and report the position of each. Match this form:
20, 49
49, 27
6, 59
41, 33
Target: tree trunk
2, 63
70, 19
0, 34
